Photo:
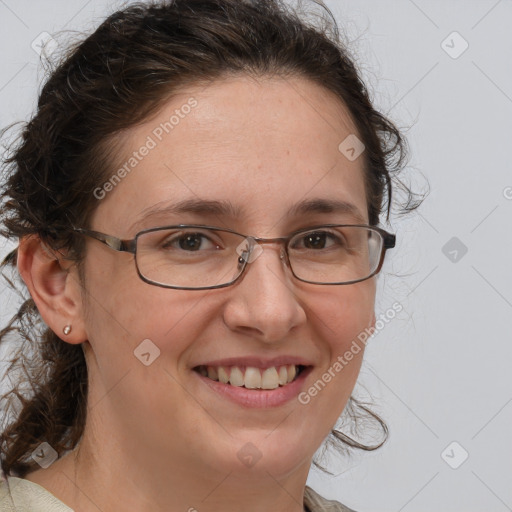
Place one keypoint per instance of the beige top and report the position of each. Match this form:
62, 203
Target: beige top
26, 496
30, 497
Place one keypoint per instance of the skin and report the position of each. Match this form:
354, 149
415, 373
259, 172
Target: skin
156, 438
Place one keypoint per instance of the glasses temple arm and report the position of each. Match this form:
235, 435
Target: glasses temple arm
111, 241
389, 240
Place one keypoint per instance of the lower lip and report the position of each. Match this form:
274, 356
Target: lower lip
258, 398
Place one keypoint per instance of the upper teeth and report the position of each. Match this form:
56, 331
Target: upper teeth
252, 378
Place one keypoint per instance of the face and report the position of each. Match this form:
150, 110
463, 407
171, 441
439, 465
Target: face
264, 147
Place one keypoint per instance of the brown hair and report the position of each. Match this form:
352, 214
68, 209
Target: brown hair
112, 80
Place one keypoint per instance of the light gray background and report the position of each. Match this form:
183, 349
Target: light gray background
439, 372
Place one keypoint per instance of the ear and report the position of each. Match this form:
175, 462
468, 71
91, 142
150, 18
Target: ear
54, 286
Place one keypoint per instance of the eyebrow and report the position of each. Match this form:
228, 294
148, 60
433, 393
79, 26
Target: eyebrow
326, 206
226, 209
197, 206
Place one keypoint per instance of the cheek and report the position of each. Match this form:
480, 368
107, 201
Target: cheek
343, 314
120, 313
338, 317
123, 311
129, 311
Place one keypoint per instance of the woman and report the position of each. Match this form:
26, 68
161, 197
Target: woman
197, 201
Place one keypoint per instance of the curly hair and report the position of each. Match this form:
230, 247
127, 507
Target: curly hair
112, 80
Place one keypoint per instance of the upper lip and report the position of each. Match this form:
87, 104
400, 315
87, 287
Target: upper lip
257, 362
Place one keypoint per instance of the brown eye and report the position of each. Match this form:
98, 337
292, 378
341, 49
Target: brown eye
318, 240
190, 242
315, 241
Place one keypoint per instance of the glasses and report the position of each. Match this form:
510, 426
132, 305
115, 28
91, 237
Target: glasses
198, 257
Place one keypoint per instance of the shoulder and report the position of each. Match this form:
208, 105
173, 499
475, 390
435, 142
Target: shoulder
315, 503
20, 495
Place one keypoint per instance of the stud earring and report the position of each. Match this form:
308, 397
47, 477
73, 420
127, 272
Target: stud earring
67, 329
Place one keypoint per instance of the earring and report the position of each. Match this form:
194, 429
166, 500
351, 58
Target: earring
67, 329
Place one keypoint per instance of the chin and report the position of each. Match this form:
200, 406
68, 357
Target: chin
277, 453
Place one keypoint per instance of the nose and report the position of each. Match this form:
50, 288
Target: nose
264, 302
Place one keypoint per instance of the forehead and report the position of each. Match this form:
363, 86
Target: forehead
261, 144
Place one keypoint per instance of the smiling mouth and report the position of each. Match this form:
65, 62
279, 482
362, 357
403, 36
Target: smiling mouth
250, 377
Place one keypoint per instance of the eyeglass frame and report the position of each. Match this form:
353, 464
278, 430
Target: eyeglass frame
130, 246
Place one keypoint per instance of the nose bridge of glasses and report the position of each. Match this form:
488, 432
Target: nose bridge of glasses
251, 247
